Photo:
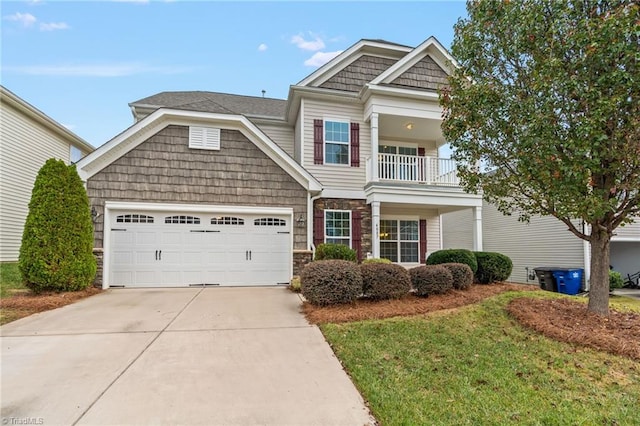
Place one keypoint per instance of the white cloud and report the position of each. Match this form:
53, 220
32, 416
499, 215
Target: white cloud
262, 47
26, 19
321, 58
90, 70
53, 26
312, 45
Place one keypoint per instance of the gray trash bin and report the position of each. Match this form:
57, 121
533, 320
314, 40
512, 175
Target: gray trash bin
545, 277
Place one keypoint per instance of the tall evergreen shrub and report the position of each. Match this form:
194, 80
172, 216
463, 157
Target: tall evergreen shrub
56, 252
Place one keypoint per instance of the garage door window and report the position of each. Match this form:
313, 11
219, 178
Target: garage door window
269, 221
134, 218
227, 220
187, 220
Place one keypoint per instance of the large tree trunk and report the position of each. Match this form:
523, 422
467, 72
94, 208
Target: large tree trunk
599, 285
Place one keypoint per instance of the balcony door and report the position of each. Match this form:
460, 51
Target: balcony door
398, 162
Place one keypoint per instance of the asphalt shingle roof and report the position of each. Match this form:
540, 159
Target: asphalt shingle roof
224, 103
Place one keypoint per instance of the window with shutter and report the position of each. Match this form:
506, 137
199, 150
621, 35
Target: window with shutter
204, 138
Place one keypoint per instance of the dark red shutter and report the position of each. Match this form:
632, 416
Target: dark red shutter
355, 144
318, 227
423, 240
422, 173
318, 139
356, 233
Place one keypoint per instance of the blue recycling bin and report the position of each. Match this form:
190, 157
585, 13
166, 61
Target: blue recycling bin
568, 281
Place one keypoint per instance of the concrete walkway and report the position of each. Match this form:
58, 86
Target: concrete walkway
215, 356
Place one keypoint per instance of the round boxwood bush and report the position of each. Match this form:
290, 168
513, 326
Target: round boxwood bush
384, 280
331, 282
431, 279
56, 253
334, 251
615, 280
453, 256
376, 260
461, 273
492, 267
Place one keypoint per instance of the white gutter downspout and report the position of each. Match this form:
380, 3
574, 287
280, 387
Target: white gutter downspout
586, 247
310, 201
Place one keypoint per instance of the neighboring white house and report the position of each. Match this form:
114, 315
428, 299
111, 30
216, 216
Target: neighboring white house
545, 241
28, 138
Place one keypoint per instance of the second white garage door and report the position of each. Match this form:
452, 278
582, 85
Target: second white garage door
168, 249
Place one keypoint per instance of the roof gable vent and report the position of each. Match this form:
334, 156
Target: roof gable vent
204, 138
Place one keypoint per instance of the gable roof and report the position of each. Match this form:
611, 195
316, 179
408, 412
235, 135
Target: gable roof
10, 98
159, 119
430, 48
224, 103
374, 48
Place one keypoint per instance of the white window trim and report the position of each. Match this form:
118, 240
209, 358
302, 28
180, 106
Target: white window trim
350, 226
210, 139
324, 141
397, 219
398, 144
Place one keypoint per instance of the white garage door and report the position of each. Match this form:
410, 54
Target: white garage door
156, 249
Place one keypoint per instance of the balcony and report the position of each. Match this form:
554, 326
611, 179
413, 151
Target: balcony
413, 169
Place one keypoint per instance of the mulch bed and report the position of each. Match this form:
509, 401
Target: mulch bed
409, 305
27, 303
569, 321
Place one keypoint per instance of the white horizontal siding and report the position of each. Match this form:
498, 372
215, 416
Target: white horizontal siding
281, 134
545, 241
335, 176
297, 139
629, 232
25, 146
457, 230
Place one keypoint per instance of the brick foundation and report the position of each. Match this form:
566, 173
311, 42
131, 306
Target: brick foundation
300, 259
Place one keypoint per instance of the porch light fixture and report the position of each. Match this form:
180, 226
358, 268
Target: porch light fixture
301, 221
409, 126
94, 214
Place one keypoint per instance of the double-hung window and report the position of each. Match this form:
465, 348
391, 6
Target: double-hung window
336, 142
337, 227
399, 240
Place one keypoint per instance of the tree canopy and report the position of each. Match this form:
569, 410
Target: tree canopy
543, 113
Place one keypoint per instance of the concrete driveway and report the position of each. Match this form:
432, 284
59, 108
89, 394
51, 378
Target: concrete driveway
214, 356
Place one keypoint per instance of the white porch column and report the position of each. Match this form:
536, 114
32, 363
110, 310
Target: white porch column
374, 147
477, 229
375, 228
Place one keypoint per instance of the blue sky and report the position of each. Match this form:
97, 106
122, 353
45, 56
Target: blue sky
81, 63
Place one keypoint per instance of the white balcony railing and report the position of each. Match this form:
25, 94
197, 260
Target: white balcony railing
415, 169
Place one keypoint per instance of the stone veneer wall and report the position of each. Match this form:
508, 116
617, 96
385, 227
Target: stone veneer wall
300, 259
347, 204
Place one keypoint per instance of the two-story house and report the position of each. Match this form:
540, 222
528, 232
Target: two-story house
28, 138
220, 189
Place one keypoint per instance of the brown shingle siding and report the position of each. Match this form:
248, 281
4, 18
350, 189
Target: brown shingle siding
163, 169
360, 72
426, 74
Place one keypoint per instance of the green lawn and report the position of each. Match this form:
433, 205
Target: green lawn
476, 366
10, 278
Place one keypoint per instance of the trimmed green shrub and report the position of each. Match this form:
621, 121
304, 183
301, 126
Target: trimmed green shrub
384, 280
492, 267
461, 273
453, 256
330, 282
615, 280
335, 251
376, 260
431, 279
294, 284
57, 243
